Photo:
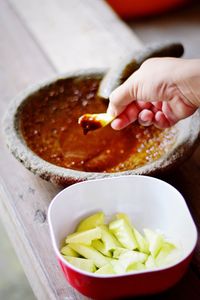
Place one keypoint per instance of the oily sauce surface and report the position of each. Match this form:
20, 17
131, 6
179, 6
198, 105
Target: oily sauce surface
49, 125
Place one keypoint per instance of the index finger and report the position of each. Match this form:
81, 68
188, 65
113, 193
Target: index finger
120, 98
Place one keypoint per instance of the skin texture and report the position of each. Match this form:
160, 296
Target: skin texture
162, 92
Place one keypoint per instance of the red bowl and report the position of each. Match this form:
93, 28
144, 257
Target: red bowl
105, 288
131, 8
152, 207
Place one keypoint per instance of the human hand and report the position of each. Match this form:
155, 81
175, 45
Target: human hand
161, 92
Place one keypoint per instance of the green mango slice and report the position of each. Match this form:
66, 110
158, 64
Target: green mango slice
91, 222
107, 269
150, 262
155, 241
100, 246
90, 253
109, 240
117, 252
142, 243
84, 237
124, 233
117, 248
166, 255
82, 263
67, 251
90, 122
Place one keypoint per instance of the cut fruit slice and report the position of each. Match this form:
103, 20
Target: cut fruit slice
135, 267
133, 256
91, 122
82, 263
91, 222
67, 251
90, 253
84, 237
143, 245
98, 245
117, 248
118, 266
110, 242
125, 217
124, 265
132, 260
124, 233
150, 262
117, 252
167, 254
155, 241
107, 269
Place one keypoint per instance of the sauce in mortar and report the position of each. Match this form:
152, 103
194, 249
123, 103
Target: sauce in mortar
49, 125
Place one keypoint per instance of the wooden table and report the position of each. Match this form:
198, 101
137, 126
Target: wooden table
37, 40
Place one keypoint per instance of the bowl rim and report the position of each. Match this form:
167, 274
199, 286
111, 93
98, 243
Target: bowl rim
138, 272
57, 174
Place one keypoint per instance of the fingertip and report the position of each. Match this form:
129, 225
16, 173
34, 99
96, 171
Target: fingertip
145, 117
118, 124
161, 121
129, 115
132, 112
120, 98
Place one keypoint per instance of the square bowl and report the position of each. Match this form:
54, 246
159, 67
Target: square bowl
150, 203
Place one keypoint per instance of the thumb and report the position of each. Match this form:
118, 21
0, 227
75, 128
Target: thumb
121, 97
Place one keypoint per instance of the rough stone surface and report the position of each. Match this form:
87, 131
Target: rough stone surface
186, 140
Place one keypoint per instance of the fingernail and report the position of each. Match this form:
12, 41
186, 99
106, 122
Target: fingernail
145, 123
116, 124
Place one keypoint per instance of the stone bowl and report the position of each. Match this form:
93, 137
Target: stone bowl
186, 140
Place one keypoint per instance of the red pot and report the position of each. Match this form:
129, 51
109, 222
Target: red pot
131, 8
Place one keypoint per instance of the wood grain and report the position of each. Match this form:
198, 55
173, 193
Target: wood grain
39, 39
77, 34
23, 195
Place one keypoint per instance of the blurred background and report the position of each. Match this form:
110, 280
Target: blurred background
151, 21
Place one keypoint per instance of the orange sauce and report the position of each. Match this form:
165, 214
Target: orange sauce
49, 125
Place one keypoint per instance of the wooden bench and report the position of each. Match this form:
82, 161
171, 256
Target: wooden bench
39, 39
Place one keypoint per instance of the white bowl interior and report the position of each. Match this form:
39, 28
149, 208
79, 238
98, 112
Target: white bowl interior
149, 202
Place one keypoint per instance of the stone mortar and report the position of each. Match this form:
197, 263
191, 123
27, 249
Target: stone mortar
187, 138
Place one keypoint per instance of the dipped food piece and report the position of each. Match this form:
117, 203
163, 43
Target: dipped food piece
91, 122
131, 62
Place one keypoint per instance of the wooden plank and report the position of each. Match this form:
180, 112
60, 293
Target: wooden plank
77, 34
25, 197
